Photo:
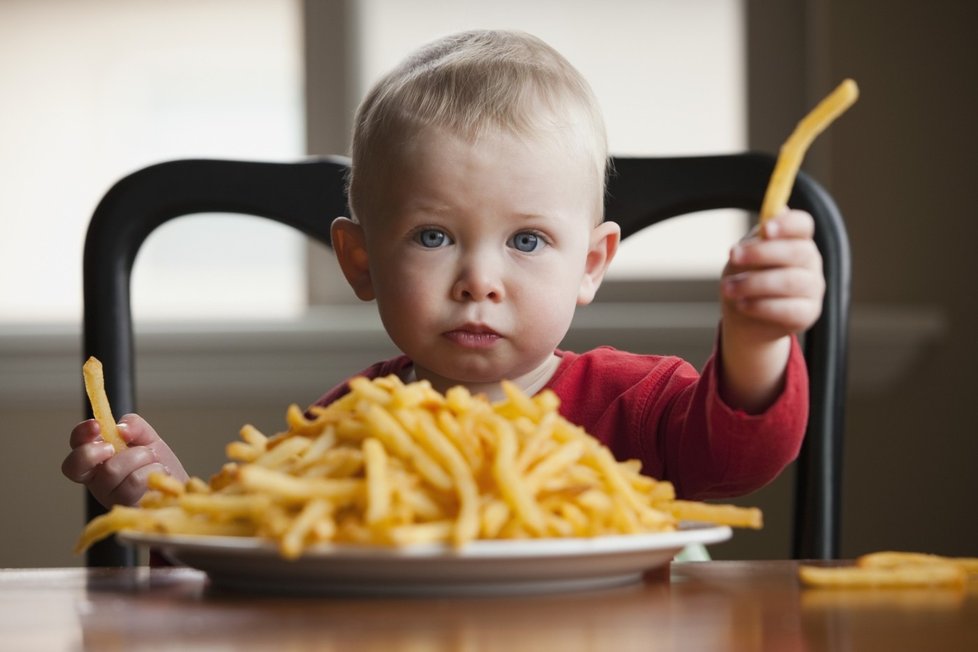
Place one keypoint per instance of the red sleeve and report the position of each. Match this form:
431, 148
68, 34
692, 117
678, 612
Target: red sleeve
719, 451
661, 411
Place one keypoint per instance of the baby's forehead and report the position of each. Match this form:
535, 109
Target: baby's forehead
554, 144
439, 180
434, 155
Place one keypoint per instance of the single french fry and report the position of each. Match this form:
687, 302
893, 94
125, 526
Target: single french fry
914, 575
317, 451
747, 517
336, 463
240, 451
165, 483
378, 482
174, 520
254, 436
224, 507
290, 489
494, 514
118, 518
519, 402
292, 541
793, 151
511, 486
285, 454
892, 559
95, 388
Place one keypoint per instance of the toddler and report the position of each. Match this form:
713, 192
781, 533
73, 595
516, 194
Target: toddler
477, 226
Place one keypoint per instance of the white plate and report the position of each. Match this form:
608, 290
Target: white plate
479, 568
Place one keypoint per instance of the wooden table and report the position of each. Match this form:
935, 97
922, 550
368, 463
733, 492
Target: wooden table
698, 606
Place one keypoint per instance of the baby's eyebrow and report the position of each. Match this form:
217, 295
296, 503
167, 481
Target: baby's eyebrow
533, 216
428, 206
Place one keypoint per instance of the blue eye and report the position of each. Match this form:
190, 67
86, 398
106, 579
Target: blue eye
526, 241
431, 238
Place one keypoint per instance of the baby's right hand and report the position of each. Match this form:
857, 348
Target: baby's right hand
120, 478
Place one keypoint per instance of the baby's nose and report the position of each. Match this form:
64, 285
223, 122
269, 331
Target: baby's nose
479, 280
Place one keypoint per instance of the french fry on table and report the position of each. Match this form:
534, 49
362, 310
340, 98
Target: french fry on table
891, 569
916, 575
892, 559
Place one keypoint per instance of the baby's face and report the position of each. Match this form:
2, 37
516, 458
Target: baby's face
478, 252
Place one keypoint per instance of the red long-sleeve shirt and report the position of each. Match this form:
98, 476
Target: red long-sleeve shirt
660, 410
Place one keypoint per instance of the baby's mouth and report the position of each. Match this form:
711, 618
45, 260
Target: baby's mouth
474, 336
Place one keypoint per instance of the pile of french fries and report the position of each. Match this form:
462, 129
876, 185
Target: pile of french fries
398, 464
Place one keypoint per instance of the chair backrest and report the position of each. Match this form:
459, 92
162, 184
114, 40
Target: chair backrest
304, 194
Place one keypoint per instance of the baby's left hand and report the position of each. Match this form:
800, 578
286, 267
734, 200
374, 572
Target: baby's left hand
773, 282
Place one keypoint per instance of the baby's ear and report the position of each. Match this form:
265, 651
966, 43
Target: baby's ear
601, 250
349, 243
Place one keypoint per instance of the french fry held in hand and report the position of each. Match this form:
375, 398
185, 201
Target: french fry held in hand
95, 388
793, 150
889, 569
394, 464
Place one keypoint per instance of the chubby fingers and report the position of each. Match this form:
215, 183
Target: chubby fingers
122, 478
774, 275
788, 224
136, 431
83, 460
132, 427
118, 478
88, 451
786, 299
784, 241
85, 432
785, 314
773, 282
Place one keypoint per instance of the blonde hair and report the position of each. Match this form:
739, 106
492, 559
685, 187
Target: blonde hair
470, 83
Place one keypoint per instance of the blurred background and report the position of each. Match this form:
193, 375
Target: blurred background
235, 318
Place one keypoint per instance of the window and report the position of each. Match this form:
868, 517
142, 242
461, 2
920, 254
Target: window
104, 87
97, 89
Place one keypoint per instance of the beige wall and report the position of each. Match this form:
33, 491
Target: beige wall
900, 165
903, 167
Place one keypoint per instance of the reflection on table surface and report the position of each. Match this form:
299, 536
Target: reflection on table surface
696, 606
